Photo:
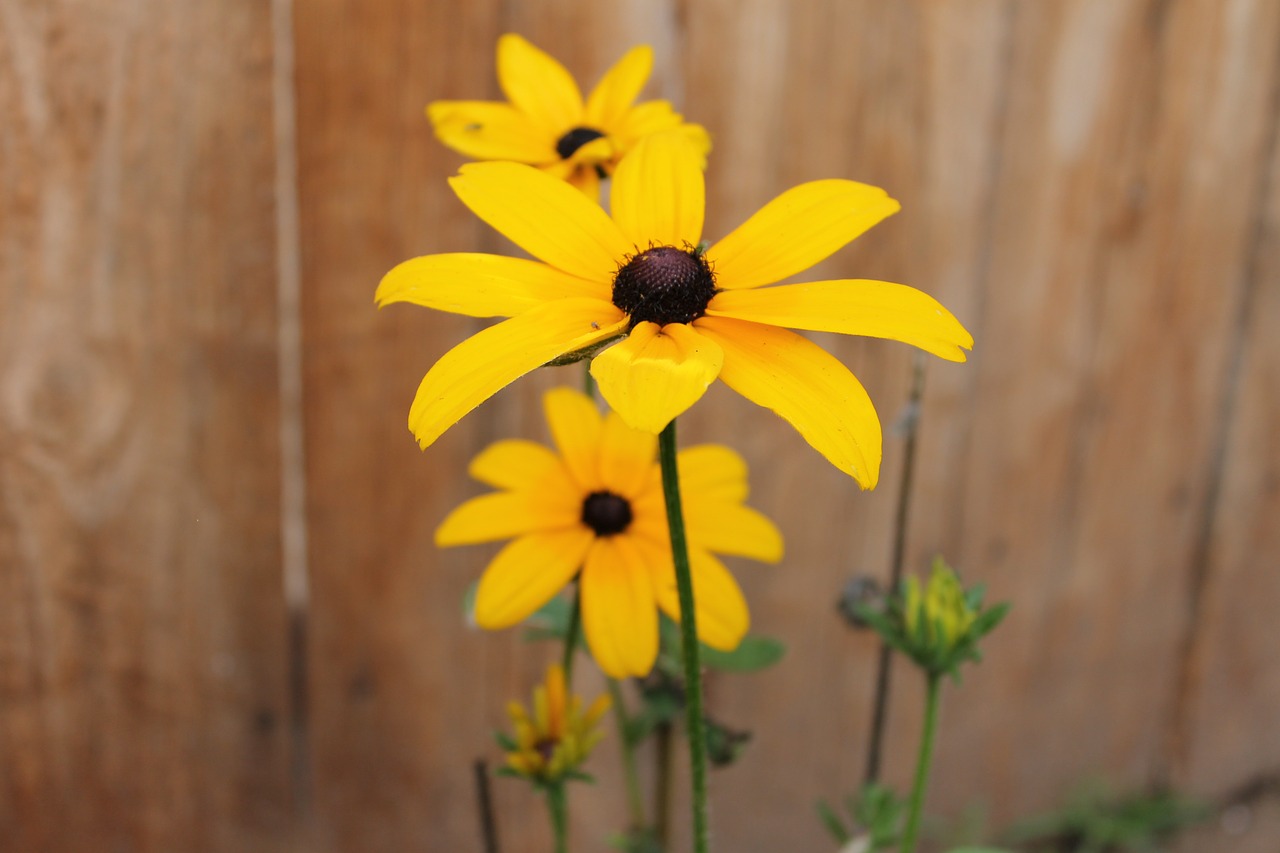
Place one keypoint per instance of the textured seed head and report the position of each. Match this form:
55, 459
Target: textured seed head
664, 285
606, 513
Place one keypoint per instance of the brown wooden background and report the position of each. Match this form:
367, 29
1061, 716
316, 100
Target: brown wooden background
223, 626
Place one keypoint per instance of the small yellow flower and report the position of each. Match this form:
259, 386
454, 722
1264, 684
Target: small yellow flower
597, 506
678, 317
547, 124
941, 612
558, 736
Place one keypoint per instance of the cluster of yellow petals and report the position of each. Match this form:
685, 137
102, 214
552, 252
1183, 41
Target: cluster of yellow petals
940, 609
627, 575
559, 735
544, 108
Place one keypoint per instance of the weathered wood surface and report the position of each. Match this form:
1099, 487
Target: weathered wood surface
143, 659
1093, 186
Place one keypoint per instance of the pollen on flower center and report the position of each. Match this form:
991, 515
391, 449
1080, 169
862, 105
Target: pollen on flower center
575, 139
606, 513
664, 285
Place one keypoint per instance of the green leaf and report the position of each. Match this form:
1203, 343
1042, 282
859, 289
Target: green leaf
754, 653
832, 822
504, 740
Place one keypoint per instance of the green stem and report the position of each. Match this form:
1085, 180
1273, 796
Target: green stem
571, 636
688, 635
558, 806
922, 765
663, 783
635, 801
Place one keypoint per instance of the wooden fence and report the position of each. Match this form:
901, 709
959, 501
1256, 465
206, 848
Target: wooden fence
223, 625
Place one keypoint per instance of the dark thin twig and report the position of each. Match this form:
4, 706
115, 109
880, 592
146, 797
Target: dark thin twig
911, 423
488, 824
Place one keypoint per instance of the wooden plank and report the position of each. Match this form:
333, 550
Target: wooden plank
1228, 740
1135, 136
142, 626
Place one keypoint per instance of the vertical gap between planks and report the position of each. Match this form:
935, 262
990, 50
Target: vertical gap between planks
1172, 767
292, 458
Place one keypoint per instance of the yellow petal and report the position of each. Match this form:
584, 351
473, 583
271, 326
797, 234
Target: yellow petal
644, 119
544, 216
527, 573
586, 180
515, 463
618, 88
598, 709
658, 194
556, 700
618, 613
503, 515
721, 609
488, 361
626, 457
480, 285
874, 309
538, 85
796, 230
489, 130
800, 381
714, 472
731, 528
656, 373
576, 426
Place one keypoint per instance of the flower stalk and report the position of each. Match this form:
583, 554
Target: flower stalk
688, 635
635, 801
557, 804
923, 763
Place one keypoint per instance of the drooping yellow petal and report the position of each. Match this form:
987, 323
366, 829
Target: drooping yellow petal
504, 515
618, 612
800, 381
731, 528
654, 117
656, 373
618, 88
488, 361
796, 230
527, 573
490, 130
714, 472
626, 456
659, 194
481, 285
516, 463
576, 426
874, 309
722, 615
538, 85
544, 216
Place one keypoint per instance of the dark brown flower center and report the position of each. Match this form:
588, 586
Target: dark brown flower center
575, 139
606, 513
664, 285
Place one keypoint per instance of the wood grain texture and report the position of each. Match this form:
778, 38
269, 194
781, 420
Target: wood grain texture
143, 704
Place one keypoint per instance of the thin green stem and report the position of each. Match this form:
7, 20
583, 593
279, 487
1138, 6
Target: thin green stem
688, 635
635, 801
571, 635
588, 383
663, 782
558, 806
912, 830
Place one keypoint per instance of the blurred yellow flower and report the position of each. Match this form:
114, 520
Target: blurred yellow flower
941, 614
558, 736
678, 317
596, 504
546, 123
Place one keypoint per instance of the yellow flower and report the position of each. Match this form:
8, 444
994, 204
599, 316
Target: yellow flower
682, 316
547, 124
558, 736
941, 611
597, 505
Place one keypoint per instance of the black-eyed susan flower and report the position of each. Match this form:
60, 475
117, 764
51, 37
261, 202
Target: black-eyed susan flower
678, 316
550, 743
546, 123
593, 508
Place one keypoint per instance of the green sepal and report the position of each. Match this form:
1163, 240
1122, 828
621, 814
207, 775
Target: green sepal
832, 822
504, 740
